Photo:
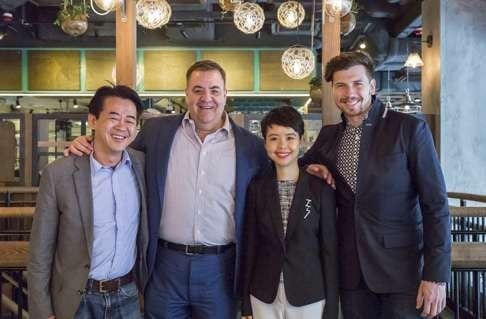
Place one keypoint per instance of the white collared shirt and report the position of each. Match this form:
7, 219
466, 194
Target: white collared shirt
199, 197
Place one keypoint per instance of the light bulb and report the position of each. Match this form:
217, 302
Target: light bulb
296, 67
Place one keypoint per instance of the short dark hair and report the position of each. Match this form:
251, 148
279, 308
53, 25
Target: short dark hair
283, 116
121, 91
347, 60
205, 65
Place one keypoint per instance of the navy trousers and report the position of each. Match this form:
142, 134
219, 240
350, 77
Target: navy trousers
362, 303
191, 286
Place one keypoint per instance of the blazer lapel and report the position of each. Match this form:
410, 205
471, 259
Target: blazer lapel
298, 209
329, 151
165, 140
369, 129
138, 171
242, 154
272, 206
84, 194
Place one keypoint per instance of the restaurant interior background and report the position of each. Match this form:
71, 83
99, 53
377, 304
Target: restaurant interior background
427, 52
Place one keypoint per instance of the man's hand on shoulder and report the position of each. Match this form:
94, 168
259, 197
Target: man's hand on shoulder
80, 146
431, 297
323, 172
51, 317
246, 317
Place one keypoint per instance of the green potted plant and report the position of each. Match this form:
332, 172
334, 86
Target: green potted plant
73, 18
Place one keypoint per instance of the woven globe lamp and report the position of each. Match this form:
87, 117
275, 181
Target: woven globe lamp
152, 14
290, 14
249, 17
298, 62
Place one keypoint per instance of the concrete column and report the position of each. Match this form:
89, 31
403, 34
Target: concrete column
453, 89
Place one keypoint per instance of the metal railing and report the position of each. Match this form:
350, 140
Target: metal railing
467, 290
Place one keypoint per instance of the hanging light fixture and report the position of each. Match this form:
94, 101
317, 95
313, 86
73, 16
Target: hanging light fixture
249, 17
152, 14
298, 62
336, 8
414, 61
348, 23
388, 104
102, 7
290, 14
75, 104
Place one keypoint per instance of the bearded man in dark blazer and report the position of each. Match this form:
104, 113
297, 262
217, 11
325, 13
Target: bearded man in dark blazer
393, 217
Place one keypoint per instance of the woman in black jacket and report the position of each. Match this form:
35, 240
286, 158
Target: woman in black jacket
290, 262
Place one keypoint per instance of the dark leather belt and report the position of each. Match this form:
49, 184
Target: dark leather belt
195, 249
111, 285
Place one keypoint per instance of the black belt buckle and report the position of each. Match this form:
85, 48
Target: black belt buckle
192, 250
187, 251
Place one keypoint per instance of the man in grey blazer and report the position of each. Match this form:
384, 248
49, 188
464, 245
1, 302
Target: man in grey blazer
89, 237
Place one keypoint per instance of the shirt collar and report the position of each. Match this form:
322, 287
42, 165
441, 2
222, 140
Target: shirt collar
96, 166
372, 115
226, 128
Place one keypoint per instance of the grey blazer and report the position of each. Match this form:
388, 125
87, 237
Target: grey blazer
62, 236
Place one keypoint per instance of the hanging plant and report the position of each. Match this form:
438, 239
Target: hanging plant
72, 18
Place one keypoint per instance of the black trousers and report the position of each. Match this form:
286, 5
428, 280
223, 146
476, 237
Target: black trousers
362, 303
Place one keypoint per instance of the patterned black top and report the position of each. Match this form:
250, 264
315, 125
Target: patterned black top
348, 154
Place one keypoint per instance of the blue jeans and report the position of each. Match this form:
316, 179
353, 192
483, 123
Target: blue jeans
120, 304
191, 286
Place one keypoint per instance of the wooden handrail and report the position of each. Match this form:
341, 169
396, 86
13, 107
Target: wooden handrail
18, 189
16, 212
467, 211
14, 254
466, 196
471, 255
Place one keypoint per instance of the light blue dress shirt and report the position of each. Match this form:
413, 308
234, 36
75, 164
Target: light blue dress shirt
116, 207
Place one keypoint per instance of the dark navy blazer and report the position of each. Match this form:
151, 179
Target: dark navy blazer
395, 231
155, 139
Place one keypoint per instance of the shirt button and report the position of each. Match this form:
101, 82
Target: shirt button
199, 212
203, 173
200, 191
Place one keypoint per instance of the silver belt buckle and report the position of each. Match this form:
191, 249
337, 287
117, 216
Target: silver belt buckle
102, 290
